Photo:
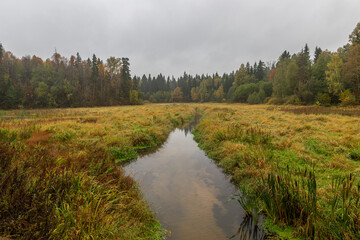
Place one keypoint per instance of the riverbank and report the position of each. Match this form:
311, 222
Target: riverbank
60, 174
299, 167
189, 192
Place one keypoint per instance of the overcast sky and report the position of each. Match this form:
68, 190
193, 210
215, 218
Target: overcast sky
173, 36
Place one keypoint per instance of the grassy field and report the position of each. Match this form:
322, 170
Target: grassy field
61, 175
299, 165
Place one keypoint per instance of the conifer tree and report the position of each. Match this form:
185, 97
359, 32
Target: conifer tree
317, 52
125, 78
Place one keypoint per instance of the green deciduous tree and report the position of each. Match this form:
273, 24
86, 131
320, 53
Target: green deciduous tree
291, 77
333, 75
351, 71
354, 37
279, 80
44, 97
318, 82
134, 97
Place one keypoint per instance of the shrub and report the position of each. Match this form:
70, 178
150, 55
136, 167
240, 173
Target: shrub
307, 96
275, 101
323, 99
254, 98
293, 100
347, 98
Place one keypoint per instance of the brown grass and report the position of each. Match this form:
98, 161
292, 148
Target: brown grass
300, 139
41, 137
58, 175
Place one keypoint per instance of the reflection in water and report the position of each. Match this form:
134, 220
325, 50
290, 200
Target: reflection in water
189, 193
248, 230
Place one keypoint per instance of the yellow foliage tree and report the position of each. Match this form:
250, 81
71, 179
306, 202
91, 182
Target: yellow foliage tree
177, 95
333, 75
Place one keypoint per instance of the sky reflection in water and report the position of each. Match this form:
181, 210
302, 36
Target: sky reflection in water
189, 193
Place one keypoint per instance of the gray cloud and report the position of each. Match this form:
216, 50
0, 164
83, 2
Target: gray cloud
173, 36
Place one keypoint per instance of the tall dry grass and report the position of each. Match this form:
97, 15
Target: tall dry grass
299, 164
61, 175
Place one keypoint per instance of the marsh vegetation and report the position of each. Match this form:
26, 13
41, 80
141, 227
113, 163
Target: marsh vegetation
298, 165
61, 174
59, 177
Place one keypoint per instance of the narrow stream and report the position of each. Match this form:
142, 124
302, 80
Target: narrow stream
189, 193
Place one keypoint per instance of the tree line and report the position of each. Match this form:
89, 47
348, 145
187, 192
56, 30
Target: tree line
30, 82
208, 88
330, 78
327, 78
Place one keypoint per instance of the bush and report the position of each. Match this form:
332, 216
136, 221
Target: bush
254, 98
307, 96
134, 98
243, 92
323, 99
294, 100
347, 98
275, 101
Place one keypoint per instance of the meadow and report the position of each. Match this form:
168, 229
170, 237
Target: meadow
61, 175
298, 165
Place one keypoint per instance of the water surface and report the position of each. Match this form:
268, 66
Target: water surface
189, 193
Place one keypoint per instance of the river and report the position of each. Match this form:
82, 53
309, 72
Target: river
189, 193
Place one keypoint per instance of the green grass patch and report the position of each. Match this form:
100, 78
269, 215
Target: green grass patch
355, 154
63, 136
317, 147
123, 155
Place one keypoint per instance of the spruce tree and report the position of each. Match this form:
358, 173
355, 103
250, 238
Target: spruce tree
285, 54
94, 77
125, 80
317, 52
78, 59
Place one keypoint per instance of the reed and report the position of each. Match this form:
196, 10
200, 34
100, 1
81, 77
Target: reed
61, 175
299, 164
